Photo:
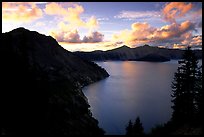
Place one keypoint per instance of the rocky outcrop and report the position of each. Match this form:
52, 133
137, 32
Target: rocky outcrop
41, 87
140, 54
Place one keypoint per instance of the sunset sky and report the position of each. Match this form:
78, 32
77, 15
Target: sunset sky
88, 26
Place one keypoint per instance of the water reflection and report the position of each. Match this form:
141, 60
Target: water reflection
133, 89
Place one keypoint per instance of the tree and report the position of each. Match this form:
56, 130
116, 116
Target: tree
185, 88
199, 95
137, 127
129, 128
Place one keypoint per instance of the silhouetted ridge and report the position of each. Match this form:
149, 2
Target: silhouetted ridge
41, 87
142, 53
124, 47
20, 29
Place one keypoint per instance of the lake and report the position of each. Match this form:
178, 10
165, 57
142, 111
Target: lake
133, 89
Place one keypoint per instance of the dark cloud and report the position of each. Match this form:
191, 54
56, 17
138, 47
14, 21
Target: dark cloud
93, 37
74, 37
66, 36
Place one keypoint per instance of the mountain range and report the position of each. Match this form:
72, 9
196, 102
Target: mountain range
142, 53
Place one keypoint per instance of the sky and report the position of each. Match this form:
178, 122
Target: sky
88, 26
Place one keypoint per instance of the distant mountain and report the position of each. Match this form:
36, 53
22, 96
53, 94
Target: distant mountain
143, 53
41, 87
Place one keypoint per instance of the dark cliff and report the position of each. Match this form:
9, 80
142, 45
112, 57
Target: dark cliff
143, 53
41, 87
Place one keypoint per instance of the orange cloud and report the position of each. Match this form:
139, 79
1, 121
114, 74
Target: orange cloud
173, 30
142, 33
178, 46
123, 36
174, 10
193, 40
196, 40
20, 12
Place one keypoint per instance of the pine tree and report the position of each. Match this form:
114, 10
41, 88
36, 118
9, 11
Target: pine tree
177, 96
137, 127
185, 89
129, 128
199, 95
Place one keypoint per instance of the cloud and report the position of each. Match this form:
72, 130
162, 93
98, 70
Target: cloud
143, 33
64, 26
72, 15
20, 12
173, 30
196, 40
92, 23
140, 33
93, 37
71, 21
54, 9
132, 15
193, 41
174, 10
70, 36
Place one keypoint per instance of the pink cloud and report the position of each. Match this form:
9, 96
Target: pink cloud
20, 11
72, 36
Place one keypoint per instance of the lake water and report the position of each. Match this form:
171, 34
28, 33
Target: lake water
133, 89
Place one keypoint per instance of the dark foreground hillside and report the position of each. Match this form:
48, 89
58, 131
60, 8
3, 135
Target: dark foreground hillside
41, 87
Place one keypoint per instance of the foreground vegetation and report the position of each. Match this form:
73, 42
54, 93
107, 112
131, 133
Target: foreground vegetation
187, 95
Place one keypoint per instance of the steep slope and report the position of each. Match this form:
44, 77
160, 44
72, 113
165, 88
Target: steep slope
143, 53
41, 87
